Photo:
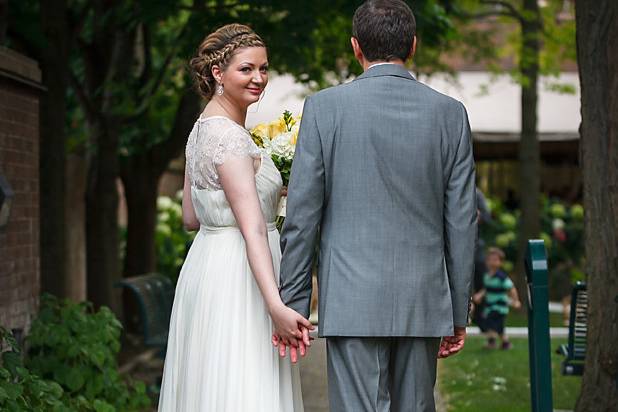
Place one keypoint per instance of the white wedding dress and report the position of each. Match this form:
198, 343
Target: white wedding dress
219, 353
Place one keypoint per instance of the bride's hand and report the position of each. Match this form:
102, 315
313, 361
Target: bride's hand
287, 324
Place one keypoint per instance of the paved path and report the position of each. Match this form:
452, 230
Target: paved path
313, 377
522, 332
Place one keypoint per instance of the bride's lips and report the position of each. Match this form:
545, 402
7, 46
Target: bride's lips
254, 90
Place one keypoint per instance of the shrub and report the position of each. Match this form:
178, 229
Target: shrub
76, 347
562, 230
172, 240
20, 389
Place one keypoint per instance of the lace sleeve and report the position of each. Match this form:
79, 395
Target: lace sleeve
236, 142
211, 144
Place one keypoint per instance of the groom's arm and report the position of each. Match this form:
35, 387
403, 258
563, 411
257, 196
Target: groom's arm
460, 223
304, 214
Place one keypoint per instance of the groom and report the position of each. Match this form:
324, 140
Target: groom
383, 180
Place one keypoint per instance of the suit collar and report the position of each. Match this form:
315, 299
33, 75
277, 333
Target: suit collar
386, 70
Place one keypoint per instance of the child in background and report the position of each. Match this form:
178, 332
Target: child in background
498, 293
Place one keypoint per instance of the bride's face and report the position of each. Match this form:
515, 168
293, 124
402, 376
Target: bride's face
246, 76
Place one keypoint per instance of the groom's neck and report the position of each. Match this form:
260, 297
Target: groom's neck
367, 64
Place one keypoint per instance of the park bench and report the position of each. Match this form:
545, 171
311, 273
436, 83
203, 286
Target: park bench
154, 294
575, 349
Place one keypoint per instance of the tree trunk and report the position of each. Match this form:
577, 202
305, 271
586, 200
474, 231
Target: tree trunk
75, 220
597, 53
54, 64
140, 175
102, 259
107, 60
529, 149
141, 184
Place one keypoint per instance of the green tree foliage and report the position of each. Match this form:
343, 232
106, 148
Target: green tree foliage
526, 39
130, 100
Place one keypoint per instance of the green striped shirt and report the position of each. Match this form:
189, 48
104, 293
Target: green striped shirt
497, 287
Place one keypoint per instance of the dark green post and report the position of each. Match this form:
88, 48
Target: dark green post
538, 327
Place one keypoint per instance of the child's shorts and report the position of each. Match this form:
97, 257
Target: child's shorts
494, 321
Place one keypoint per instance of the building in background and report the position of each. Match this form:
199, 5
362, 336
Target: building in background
494, 110
20, 86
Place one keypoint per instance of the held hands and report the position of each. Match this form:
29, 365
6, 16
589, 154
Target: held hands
303, 345
450, 345
291, 329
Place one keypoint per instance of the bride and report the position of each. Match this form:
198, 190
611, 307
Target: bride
227, 305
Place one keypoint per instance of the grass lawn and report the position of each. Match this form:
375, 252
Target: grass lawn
519, 318
479, 380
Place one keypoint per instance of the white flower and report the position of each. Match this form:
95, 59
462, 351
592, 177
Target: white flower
499, 380
498, 388
164, 229
164, 202
282, 145
176, 208
557, 224
267, 149
498, 383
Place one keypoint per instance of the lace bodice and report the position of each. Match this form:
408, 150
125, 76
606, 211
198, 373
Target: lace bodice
210, 142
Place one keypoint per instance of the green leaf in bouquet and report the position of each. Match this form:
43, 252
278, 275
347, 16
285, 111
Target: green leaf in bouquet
288, 119
259, 140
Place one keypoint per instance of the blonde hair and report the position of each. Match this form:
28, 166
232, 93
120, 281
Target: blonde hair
496, 251
216, 50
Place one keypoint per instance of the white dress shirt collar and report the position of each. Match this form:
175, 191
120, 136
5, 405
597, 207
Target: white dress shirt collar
379, 64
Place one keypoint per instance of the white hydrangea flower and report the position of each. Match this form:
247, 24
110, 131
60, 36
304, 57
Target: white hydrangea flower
164, 202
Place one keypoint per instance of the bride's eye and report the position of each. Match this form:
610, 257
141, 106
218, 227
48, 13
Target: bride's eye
245, 69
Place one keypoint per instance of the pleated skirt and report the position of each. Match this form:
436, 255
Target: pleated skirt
219, 354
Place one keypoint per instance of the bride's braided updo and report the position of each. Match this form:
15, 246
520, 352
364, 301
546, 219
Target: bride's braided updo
216, 50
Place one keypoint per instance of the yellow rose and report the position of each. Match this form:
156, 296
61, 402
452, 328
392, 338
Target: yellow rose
261, 130
277, 127
294, 136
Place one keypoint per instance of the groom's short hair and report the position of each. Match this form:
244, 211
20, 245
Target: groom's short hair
384, 29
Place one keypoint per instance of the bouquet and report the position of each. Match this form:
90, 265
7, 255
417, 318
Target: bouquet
278, 139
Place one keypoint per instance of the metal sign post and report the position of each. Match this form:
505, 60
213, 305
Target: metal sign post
538, 327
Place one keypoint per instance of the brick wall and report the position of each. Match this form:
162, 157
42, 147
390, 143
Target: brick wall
19, 163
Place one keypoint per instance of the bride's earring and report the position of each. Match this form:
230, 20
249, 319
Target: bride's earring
219, 89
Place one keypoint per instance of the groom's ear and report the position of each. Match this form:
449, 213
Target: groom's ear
413, 49
358, 53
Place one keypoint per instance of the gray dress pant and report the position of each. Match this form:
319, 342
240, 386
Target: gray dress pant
381, 374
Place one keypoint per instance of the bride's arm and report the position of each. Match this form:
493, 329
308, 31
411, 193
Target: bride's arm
237, 177
189, 219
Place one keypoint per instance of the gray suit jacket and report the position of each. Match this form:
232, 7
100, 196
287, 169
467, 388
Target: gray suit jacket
383, 176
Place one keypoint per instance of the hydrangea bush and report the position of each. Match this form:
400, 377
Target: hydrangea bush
562, 229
